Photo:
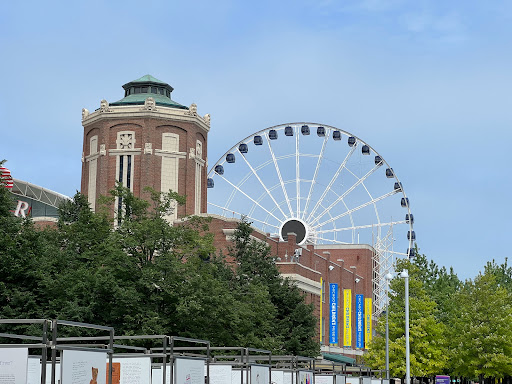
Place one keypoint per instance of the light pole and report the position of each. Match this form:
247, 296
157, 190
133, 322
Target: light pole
405, 275
388, 277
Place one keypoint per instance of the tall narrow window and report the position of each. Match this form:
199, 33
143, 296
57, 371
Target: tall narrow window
170, 171
92, 161
198, 177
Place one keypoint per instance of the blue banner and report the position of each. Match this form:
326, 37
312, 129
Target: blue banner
359, 321
333, 313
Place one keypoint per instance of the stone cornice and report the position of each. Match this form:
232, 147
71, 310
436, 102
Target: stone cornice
136, 111
164, 153
120, 152
304, 283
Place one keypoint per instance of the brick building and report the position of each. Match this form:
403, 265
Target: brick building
147, 139
314, 268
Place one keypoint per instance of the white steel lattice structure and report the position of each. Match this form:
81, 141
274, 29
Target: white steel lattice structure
320, 182
43, 195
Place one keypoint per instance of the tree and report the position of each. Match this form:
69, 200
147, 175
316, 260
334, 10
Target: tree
426, 335
145, 276
439, 284
292, 322
481, 335
502, 273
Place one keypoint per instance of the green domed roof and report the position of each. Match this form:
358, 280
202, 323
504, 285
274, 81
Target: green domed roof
137, 91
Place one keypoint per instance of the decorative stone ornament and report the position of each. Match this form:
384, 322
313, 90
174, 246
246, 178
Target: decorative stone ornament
104, 106
103, 151
199, 150
206, 119
85, 113
125, 141
149, 104
148, 148
192, 110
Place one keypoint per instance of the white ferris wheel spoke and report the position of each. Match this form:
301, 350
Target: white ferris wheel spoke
374, 205
357, 183
279, 174
332, 241
261, 182
313, 182
361, 227
297, 170
338, 171
373, 201
242, 214
249, 197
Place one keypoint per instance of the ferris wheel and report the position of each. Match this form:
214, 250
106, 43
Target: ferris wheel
320, 182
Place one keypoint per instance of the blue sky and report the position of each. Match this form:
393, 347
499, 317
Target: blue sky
426, 83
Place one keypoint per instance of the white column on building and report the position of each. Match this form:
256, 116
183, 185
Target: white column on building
92, 159
198, 177
169, 174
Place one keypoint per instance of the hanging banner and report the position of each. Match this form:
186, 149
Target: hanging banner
321, 310
360, 321
347, 314
368, 322
333, 313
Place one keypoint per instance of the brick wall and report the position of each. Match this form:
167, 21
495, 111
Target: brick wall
348, 262
147, 167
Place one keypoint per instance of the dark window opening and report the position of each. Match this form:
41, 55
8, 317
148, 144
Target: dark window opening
119, 210
128, 171
161, 91
144, 90
121, 161
137, 90
154, 90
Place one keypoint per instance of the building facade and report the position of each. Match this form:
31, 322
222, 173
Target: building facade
316, 269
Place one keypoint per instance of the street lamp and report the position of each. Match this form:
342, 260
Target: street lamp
404, 275
388, 277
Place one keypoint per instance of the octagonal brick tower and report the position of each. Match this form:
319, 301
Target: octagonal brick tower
146, 139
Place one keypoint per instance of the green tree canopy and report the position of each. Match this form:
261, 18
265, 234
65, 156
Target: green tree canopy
426, 334
481, 333
145, 276
292, 326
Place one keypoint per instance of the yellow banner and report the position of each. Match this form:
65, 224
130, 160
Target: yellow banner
367, 322
347, 314
321, 310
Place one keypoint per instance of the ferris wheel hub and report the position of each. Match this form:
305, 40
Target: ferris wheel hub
296, 226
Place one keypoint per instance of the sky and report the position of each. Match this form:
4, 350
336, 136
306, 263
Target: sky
426, 83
